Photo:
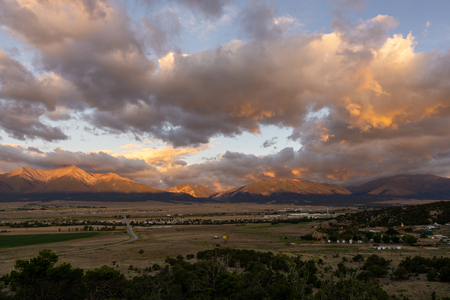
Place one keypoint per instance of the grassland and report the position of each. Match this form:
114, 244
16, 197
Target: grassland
159, 242
10, 241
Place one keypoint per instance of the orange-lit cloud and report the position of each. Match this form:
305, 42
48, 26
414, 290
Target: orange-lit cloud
165, 155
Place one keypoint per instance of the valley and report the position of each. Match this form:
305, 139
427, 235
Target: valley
162, 232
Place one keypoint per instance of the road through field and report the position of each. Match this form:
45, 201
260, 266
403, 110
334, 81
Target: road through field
130, 231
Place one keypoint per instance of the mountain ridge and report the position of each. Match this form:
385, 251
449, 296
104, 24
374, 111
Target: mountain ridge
269, 188
68, 179
404, 185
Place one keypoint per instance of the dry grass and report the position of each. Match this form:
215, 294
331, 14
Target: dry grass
158, 243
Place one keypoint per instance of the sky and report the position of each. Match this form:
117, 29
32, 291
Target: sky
223, 93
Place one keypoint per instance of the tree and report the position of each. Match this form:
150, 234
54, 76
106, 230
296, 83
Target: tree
38, 278
409, 239
401, 272
377, 238
395, 238
105, 282
444, 274
369, 235
347, 236
386, 238
333, 237
391, 231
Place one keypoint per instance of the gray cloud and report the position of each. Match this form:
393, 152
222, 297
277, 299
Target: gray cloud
91, 162
210, 9
34, 149
162, 32
14, 51
341, 21
256, 20
270, 143
21, 121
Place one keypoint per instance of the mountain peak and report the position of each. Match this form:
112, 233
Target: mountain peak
196, 191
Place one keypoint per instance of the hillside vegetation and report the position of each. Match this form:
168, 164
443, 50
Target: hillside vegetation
410, 215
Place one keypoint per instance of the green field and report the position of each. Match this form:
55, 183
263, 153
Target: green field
10, 241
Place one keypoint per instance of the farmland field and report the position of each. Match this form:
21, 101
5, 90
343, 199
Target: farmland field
9, 241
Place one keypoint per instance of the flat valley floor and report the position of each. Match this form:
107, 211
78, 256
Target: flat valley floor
159, 242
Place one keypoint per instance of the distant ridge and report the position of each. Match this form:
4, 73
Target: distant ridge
195, 191
280, 189
69, 179
405, 185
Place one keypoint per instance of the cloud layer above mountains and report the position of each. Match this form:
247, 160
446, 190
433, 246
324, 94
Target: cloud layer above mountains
361, 102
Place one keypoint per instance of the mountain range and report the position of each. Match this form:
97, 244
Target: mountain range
268, 188
73, 180
68, 180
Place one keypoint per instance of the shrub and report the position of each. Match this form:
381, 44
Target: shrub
358, 257
401, 272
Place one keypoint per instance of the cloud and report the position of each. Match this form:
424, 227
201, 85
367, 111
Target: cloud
341, 21
258, 21
16, 157
387, 104
130, 146
270, 143
34, 149
90, 44
426, 31
209, 9
164, 156
162, 31
60, 113
21, 121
